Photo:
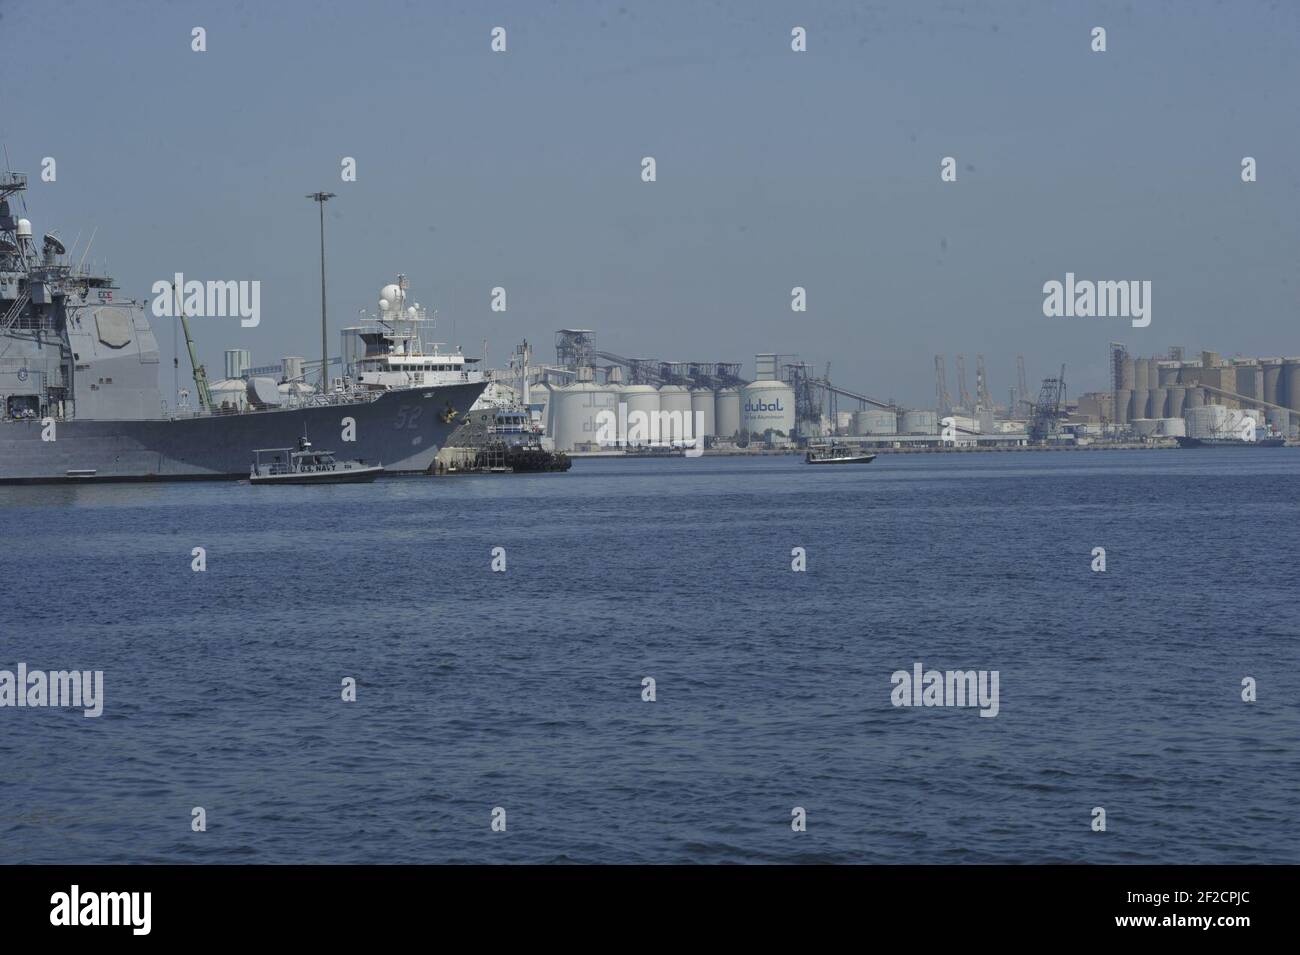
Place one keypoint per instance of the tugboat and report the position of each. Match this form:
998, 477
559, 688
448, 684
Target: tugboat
837, 454
305, 466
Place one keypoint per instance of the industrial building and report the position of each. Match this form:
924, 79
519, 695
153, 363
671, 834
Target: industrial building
787, 403
1173, 395
686, 400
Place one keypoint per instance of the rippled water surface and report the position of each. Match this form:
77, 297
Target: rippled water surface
523, 689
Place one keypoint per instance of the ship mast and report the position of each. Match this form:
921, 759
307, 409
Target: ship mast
200, 373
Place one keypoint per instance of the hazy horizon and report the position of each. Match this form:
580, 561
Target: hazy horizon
775, 169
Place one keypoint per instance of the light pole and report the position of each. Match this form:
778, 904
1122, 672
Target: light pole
320, 199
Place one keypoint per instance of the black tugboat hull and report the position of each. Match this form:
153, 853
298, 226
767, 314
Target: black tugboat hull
857, 459
349, 476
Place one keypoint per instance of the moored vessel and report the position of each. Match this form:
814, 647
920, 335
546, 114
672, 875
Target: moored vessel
836, 453
305, 465
80, 397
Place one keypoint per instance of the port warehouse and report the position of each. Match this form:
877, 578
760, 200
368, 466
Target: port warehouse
788, 403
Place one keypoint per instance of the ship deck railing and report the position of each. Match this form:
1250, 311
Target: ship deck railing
310, 401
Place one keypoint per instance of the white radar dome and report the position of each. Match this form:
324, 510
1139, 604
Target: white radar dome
24, 229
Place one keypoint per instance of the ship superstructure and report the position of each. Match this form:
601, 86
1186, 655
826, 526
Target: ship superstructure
393, 353
80, 399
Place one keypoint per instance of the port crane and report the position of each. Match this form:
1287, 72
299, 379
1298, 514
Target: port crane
1047, 413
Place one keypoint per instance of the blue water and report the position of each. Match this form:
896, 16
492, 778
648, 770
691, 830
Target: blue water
523, 689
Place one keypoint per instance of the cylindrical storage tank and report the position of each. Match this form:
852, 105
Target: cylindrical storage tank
920, 422
1250, 381
769, 405
704, 408
1172, 427
642, 409
1166, 373
1126, 374
612, 434
1272, 368
291, 368
726, 408
1137, 405
540, 395
1141, 380
1175, 402
1159, 401
1291, 383
577, 416
875, 421
1123, 398
674, 413
1195, 399
1145, 427
238, 361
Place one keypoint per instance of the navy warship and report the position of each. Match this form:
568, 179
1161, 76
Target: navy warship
80, 398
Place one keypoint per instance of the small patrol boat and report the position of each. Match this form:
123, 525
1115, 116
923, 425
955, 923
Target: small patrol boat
302, 465
837, 454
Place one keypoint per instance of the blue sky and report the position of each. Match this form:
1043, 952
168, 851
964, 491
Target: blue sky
775, 169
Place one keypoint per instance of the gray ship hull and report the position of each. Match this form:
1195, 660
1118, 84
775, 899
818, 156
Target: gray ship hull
402, 430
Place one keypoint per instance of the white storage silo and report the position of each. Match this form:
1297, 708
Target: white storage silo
674, 413
768, 406
726, 408
1144, 427
238, 361
704, 407
642, 411
843, 422
576, 418
920, 422
291, 368
875, 421
539, 399
1172, 427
